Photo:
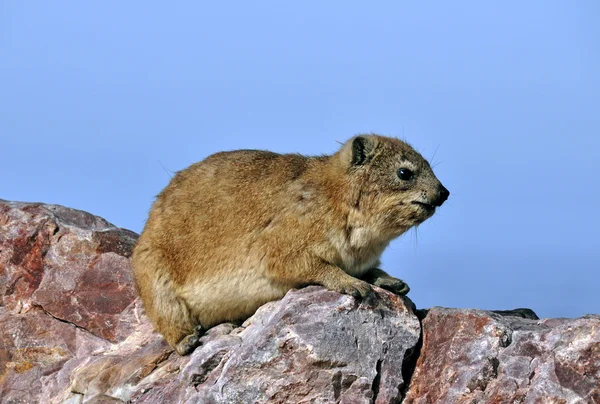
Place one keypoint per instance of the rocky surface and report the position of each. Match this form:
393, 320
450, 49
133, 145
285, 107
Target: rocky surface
72, 330
476, 356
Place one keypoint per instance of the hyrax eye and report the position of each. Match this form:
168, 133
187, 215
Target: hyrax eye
405, 174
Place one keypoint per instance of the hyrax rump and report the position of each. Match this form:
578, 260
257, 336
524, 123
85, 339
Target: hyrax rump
242, 228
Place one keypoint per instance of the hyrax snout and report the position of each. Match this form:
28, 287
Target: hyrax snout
242, 228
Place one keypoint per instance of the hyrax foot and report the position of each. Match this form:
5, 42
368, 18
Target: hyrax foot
187, 345
355, 288
395, 285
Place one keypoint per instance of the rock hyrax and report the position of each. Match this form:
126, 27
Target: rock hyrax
242, 228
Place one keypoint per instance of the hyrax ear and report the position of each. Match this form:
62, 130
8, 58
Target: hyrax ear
362, 149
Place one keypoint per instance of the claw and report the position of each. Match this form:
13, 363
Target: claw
187, 345
394, 285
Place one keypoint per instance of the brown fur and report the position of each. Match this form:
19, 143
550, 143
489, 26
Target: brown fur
242, 228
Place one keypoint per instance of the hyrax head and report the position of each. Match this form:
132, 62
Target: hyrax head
397, 188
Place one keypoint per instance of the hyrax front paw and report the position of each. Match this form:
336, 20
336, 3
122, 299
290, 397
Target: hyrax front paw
355, 288
395, 285
190, 342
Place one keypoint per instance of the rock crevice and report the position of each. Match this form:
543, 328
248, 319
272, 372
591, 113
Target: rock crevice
40, 308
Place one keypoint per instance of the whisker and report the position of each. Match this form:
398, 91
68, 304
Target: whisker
434, 153
416, 233
167, 171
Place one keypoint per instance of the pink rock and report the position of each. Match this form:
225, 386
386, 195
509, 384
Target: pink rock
475, 356
65, 281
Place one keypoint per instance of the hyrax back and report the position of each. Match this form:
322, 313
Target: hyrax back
242, 228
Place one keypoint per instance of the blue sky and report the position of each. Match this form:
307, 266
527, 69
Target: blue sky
96, 98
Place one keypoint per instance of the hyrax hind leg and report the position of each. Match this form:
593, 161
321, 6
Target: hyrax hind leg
175, 322
173, 319
169, 313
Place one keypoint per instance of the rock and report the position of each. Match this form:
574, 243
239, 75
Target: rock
73, 331
65, 286
328, 347
68, 263
475, 356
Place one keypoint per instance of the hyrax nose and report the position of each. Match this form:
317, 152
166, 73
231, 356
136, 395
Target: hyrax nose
443, 194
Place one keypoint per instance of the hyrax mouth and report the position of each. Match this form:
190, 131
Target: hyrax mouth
427, 206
